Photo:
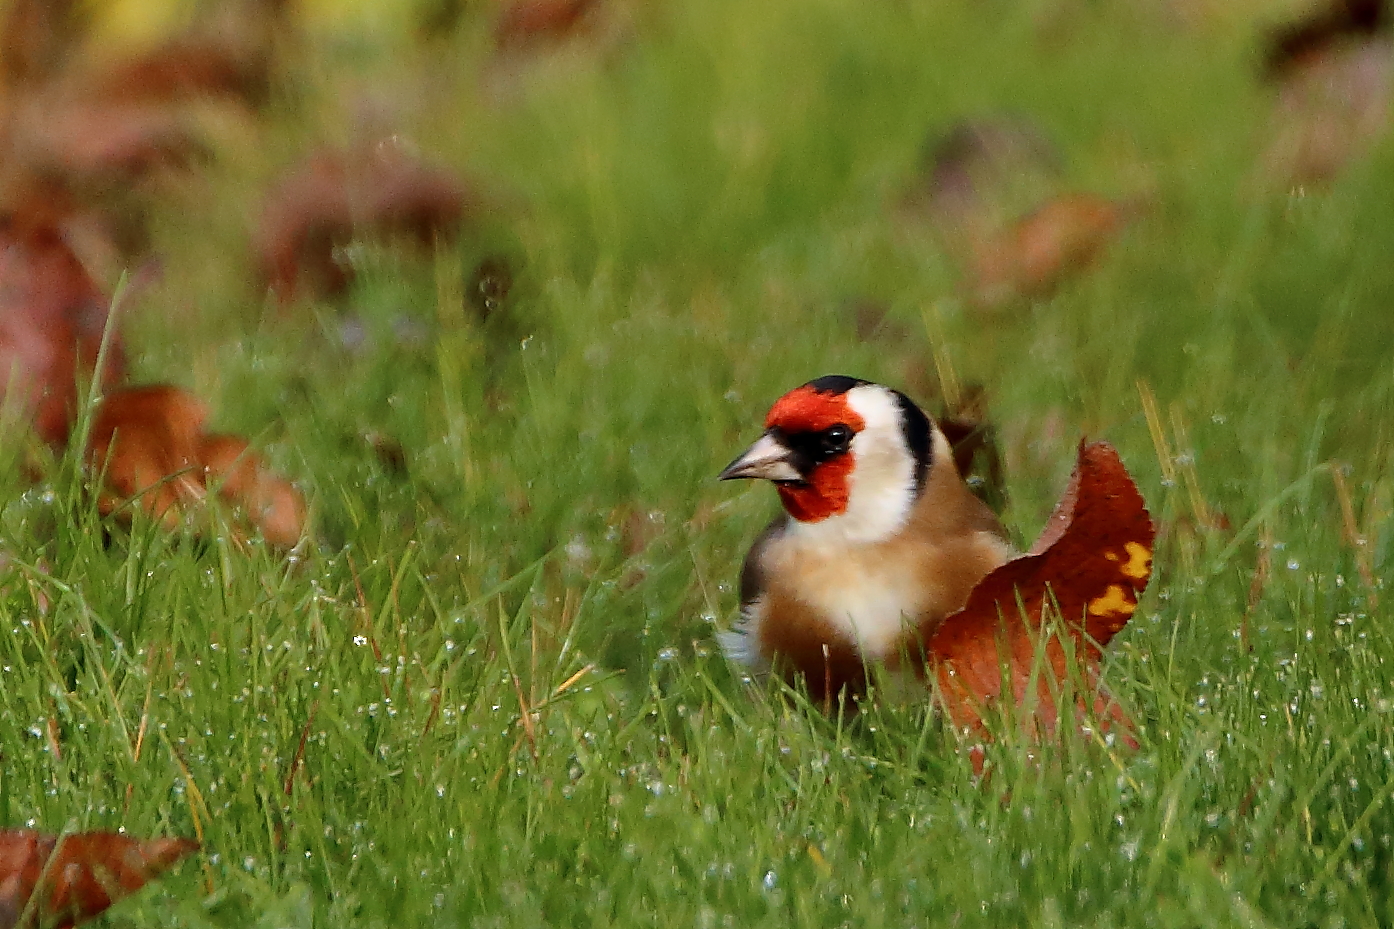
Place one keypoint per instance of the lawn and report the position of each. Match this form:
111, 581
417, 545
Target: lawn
485, 691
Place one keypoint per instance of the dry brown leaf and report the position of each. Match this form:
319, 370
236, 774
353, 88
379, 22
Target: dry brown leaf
188, 67
983, 172
36, 37
152, 444
1342, 22
522, 23
52, 316
96, 145
147, 439
1037, 253
1087, 570
330, 198
242, 478
78, 878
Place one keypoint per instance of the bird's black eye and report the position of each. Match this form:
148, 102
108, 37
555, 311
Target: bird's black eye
836, 439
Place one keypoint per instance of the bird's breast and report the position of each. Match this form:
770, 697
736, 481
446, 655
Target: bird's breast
871, 600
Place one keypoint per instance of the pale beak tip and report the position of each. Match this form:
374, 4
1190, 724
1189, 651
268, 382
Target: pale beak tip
732, 472
766, 459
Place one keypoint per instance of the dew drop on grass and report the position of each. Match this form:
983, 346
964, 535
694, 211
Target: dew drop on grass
771, 880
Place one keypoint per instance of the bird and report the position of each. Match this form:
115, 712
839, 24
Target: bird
879, 541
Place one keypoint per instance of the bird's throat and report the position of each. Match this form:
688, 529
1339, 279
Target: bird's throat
824, 494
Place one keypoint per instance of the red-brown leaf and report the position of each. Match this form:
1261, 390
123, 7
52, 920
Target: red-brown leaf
84, 876
322, 204
527, 22
152, 443
147, 438
187, 67
98, 144
51, 320
35, 38
1037, 253
242, 478
1088, 568
1342, 22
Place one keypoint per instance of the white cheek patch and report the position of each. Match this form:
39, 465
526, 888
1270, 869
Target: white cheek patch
881, 487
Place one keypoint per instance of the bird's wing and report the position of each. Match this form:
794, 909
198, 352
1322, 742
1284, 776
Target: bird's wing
739, 644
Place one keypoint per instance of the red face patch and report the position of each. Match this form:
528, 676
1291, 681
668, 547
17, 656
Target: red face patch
824, 495
804, 409
828, 488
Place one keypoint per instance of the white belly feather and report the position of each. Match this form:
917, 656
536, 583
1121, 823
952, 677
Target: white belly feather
867, 600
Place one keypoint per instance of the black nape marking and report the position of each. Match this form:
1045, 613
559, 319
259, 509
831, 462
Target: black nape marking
919, 437
835, 383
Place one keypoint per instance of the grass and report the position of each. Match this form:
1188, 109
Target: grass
488, 694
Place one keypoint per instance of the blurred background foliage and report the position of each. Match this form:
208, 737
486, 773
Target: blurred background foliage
549, 263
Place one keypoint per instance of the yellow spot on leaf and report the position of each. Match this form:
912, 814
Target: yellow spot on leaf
1139, 561
1115, 601
1112, 556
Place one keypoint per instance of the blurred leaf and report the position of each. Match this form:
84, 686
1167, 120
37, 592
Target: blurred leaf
78, 878
152, 444
321, 205
51, 321
1088, 568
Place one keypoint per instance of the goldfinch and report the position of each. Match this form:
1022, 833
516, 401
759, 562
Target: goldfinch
881, 538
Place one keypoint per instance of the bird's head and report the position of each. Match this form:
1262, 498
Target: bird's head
846, 455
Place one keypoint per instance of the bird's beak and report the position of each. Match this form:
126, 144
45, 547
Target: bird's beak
767, 459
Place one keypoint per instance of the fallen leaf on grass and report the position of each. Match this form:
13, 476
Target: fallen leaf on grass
321, 205
522, 23
188, 67
93, 144
992, 189
78, 878
1085, 573
1343, 21
1034, 255
156, 455
35, 37
1332, 107
243, 479
983, 171
52, 316
147, 439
